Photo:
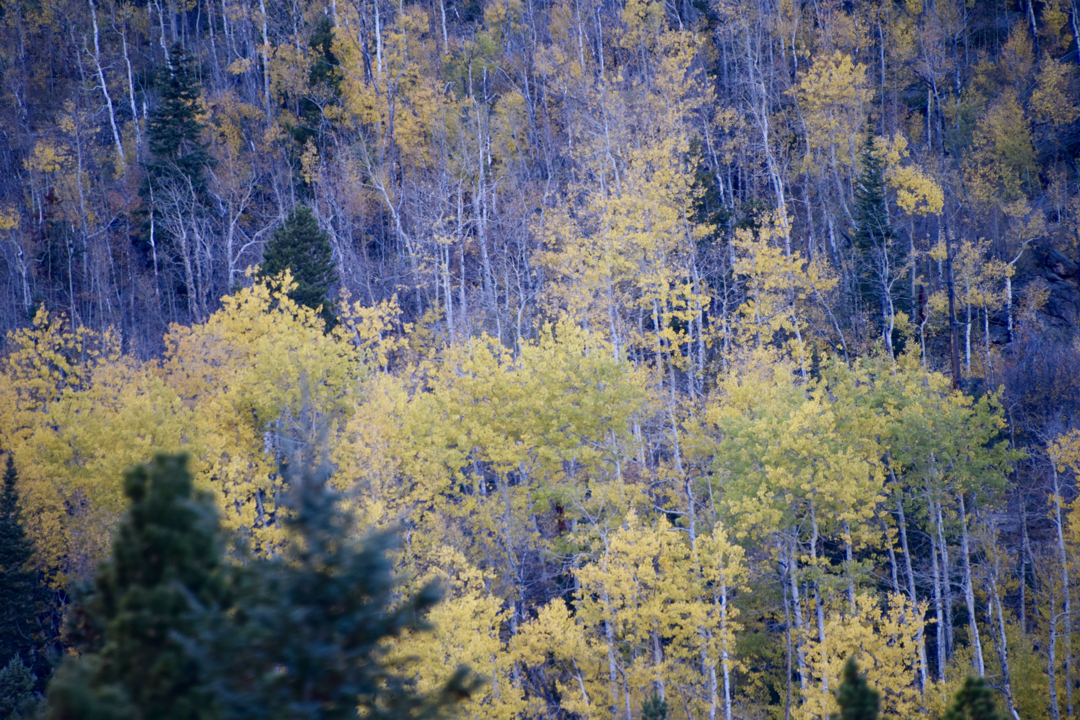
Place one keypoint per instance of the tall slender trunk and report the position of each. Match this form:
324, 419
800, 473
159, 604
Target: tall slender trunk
787, 642
939, 612
1051, 659
266, 61
969, 591
105, 88
819, 602
850, 563
954, 347
131, 88
1000, 639
943, 548
1063, 558
800, 622
921, 638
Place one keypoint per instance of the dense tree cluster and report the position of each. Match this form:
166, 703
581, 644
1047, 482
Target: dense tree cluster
696, 346
171, 630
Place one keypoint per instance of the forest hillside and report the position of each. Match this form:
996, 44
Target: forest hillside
693, 346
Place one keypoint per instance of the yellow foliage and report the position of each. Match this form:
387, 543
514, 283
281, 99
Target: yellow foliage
780, 285
916, 192
375, 331
883, 638
1001, 164
259, 374
9, 218
653, 607
402, 97
467, 629
833, 95
1051, 102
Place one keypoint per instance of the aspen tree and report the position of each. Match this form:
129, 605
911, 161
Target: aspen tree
1064, 452
883, 636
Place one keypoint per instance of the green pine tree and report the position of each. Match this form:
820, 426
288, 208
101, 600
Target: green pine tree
974, 701
878, 256
21, 594
302, 248
174, 129
171, 631
308, 641
324, 83
166, 569
17, 697
857, 700
654, 708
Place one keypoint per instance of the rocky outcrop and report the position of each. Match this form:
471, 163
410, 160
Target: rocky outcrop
1045, 264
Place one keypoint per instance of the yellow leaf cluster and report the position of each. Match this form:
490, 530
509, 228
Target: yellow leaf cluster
883, 637
833, 95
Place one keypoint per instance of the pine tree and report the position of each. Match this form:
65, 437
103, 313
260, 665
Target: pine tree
21, 596
654, 708
170, 631
310, 641
174, 128
857, 700
17, 697
302, 248
166, 564
878, 256
974, 701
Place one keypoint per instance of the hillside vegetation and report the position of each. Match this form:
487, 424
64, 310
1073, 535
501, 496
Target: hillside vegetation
694, 347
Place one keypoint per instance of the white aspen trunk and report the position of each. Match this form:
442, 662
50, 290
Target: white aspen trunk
105, 87
153, 245
1066, 595
912, 596
894, 570
714, 689
967, 340
445, 37
1009, 306
1008, 274
613, 670
969, 591
939, 613
1000, 639
266, 60
850, 566
943, 548
1025, 544
819, 603
725, 658
800, 622
131, 88
378, 39
1051, 660
658, 663
787, 638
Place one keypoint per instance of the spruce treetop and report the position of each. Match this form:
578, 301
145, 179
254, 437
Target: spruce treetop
301, 247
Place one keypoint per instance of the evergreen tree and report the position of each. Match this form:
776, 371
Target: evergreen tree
302, 248
170, 631
974, 701
21, 596
857, 700
174, 128
310, 631
878, 256
324, 82
129, 629
654, 708
17, 697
